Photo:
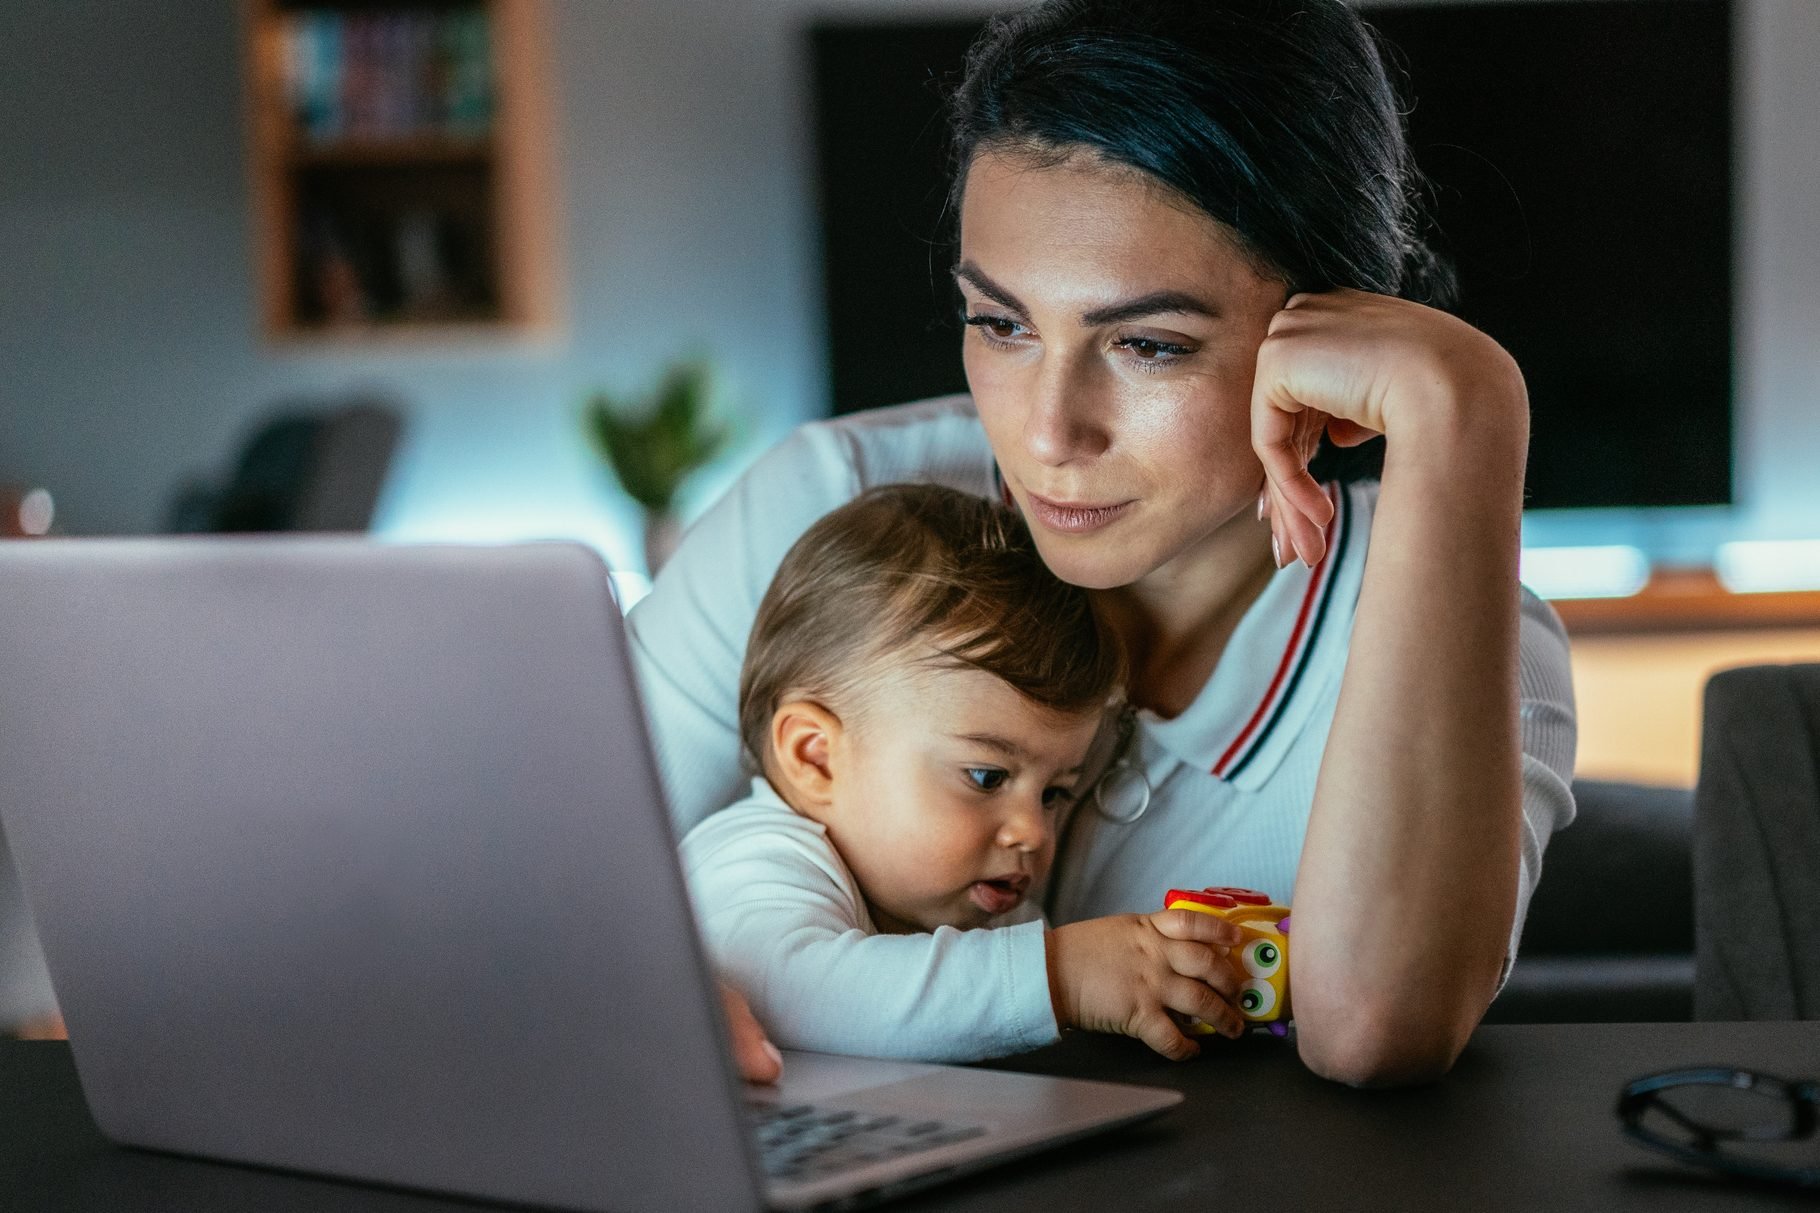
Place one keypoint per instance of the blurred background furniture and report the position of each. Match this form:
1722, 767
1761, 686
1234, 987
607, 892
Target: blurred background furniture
1757, 846
299, 472
1610, 932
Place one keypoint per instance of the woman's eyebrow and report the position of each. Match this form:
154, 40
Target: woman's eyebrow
990, 289
1156, 303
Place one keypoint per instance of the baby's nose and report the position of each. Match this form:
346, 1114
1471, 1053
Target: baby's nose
1025, 830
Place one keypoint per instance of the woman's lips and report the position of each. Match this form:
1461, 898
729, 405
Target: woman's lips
1072, 517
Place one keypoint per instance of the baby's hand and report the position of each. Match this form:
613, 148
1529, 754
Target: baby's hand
1125, 973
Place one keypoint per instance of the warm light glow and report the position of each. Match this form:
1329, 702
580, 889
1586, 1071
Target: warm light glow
1615, 571
1765, 566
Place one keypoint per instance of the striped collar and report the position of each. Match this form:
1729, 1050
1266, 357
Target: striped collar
1290, 642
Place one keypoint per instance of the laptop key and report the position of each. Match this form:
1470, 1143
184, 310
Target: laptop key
803, 1143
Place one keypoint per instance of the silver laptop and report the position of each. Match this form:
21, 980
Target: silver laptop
352, 859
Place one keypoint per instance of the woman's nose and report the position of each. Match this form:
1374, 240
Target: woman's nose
1062, 421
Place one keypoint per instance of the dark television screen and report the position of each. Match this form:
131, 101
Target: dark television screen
1579, 160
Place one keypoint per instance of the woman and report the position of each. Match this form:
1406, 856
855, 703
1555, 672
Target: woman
1187, 255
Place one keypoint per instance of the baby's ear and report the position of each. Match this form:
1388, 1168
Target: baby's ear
803, 738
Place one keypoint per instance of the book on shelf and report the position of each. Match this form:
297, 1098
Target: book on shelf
413, 265
404, 73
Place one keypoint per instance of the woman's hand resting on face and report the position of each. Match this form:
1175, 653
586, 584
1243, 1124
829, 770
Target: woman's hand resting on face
1354, 365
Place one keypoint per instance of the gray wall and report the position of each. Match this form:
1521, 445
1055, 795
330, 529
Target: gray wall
128, 357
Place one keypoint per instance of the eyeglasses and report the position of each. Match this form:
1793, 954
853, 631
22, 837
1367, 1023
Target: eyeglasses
1713, 1117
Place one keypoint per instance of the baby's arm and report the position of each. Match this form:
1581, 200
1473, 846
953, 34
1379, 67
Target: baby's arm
781, 919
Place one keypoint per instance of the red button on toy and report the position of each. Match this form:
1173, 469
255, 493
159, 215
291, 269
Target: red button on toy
1250, 897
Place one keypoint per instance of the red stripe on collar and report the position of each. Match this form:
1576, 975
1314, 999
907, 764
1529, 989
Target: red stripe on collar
1323, 574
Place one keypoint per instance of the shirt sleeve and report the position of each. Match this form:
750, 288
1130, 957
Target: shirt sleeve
688, 635
781, 920
1549, 733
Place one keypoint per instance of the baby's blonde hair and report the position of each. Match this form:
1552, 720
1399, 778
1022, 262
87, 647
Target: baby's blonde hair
912, 567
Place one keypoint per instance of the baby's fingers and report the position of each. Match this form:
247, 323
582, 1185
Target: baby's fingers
1195, 998
1154, 1027
1196, 927
1205, 963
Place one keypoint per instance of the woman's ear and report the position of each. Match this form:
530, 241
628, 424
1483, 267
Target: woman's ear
804, 735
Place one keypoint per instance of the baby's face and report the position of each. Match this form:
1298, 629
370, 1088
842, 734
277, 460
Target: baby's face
948, 785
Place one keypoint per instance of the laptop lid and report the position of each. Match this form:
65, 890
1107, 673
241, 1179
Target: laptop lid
345, 859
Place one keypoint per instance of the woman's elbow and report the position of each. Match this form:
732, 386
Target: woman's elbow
1384, 1049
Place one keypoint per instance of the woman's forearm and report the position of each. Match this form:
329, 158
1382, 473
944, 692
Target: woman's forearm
1408, 876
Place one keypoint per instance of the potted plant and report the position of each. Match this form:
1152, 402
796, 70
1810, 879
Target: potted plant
653, 445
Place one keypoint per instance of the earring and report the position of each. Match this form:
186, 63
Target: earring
1123, 794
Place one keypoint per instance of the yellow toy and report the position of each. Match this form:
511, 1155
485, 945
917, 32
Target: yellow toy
1262, 956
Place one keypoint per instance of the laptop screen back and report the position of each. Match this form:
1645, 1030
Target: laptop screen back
350, 858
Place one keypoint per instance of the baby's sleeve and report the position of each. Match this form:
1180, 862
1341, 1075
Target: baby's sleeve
782, 919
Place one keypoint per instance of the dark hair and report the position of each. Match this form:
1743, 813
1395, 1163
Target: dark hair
919, 566
1274, 117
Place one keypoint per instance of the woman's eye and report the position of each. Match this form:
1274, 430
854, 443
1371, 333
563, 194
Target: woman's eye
997, 330
986, 779
1151, 354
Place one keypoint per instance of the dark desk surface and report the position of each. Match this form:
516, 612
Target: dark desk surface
1524, 1122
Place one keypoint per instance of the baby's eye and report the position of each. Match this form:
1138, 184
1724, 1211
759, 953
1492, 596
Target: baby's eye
986, 779
1055, 798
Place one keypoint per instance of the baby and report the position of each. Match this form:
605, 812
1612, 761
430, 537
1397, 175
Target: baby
920, 695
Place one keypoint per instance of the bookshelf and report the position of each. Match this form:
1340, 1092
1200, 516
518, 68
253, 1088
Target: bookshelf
401, 174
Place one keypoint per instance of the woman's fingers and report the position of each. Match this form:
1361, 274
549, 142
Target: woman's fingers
1349, 433
757, 1058
1285, 438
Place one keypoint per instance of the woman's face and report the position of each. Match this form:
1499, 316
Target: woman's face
1112, 332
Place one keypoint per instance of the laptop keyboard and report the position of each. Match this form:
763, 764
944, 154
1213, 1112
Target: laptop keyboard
802, 1142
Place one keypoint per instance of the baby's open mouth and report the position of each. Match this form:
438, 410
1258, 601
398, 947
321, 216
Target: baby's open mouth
999, 895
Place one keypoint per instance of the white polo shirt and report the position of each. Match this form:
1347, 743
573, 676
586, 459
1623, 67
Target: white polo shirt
1231, 779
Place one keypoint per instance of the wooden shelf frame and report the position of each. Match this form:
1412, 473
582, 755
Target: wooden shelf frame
525, 207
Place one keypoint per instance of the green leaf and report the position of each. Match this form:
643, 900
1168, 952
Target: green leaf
653, 446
